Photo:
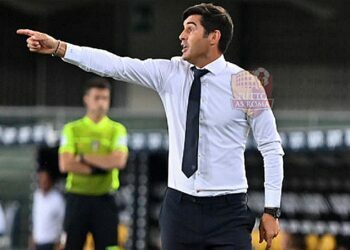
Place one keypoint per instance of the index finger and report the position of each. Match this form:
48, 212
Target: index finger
26, 32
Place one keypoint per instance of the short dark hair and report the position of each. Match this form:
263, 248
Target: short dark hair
97, 82
213, 18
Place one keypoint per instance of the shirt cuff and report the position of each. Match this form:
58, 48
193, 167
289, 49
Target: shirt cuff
73, 53
273, 198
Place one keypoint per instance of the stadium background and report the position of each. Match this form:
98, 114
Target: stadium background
304, 44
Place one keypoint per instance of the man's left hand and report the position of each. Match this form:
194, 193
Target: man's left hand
269, 229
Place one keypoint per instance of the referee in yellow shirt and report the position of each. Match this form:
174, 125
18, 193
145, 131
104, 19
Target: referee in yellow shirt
92, 151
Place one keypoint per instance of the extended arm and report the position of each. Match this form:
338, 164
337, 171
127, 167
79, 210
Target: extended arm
151, 73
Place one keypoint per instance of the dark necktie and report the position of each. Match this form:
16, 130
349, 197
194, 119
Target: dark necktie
190, 154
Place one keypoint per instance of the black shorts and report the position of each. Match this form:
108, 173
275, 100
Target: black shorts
95, 214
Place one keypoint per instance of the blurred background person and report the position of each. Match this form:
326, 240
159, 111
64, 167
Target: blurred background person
2, 221
48, 213
92, 150
2, 227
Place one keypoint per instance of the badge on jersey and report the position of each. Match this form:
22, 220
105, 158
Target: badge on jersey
95, 145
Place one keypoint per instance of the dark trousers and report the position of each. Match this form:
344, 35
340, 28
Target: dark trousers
48, 246
205, 223
95, 214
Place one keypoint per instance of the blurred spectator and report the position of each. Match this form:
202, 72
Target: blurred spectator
48, 213
323, 242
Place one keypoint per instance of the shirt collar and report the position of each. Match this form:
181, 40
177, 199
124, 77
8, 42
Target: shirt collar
216, 66
87, 120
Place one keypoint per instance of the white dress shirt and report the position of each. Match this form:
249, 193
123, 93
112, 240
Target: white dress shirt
48, 216
223, 130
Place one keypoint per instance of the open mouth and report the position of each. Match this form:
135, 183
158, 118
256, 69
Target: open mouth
184, 48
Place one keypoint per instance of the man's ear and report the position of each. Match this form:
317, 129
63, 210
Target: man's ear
214, 37
85, 99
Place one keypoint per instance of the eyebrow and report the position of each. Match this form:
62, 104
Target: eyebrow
191, 23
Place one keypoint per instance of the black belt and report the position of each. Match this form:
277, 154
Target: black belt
88, 196
239, 198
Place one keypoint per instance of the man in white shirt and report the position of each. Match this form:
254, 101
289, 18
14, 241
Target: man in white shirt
48, 213
205, 206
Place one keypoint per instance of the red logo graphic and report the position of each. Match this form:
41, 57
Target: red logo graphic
252, 91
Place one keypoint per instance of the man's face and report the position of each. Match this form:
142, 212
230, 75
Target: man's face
194, 41
97, 101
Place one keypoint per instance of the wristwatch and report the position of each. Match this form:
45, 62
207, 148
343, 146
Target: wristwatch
274, 211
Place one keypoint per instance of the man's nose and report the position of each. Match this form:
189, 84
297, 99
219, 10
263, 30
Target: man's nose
181, 36
100, 102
